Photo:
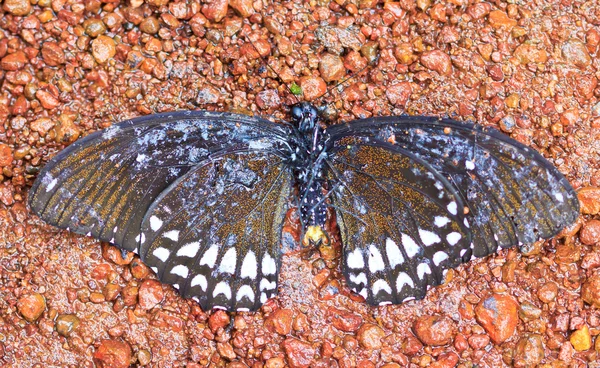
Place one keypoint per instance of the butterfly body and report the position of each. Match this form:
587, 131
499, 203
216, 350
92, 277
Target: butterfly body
202, 197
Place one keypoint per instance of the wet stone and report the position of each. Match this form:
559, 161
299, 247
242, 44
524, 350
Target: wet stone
590, 233
590, 291
218, 319
529, 351
498, 315
150, 25
438, 61
150, 294
312, 87
575, 52
31, 306
589, 199
215, 10
94, 27
528, 311
66, 131
434, 330
47, 99
103, 49
331, 67
42, 125
499, 19
17, 7
242, 7
268, 98
13, 61
369, 336
144, 357
53, 54
479, 341
547, 293
581, 339
299, 354
113, 354
344, 320
66, 323
446, 360
6, 156
567, 253
280, 321
138, 269
527, 53
208, 95
398, 94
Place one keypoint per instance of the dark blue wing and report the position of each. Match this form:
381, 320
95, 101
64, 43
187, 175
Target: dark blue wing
505, 193
105, 184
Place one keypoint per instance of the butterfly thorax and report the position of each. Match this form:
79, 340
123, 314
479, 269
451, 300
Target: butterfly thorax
309, 167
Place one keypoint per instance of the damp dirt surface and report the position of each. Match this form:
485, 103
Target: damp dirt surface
68, 68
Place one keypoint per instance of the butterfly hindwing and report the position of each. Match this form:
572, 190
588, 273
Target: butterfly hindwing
215, 233
401, 222
510, 193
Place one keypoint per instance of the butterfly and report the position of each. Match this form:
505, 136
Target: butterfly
202, 196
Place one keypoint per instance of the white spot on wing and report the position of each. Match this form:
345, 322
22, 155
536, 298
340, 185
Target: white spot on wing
393, 253
469, 165
180, 270
249, 266
222, 288
361, 278
141, 238
263, 297
245, 291
209, 257
381, 285
155, 223
441, 221
268, 265
189, 250
452, 208
428, 238
559, 197
439, 257
51, 185
265, 284
422, 269
228, 261
404, 279
201, 281
410, 246
161, 253
453, 238
173, 235
355, 259
375, 259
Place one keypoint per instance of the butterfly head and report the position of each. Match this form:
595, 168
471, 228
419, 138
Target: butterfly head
305, 115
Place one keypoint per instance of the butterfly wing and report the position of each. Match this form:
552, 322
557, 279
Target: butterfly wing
505, 194
105, 184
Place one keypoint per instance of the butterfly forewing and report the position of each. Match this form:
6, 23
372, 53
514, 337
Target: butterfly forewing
399, 220
216, 232
510, 193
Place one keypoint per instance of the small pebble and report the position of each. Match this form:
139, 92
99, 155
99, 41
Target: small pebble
528, 311
242, 7
31, 306
446, 360
150, 25
215, 10
575, 52
547, 293
53, 54
144, 357
581, 339
103, 49
344, 320
113, 354
528, 53
590, 291
499, 19
589, 199
280, 321
42, 125
218, 319
268, 98
529, 351
150, 294
312, 87
438, 61
14, 61
208, 95
369, 336
398, 94
66, 131
478, 341
498, 315
590, 233
331, 67
434, 330
17, 7
299, 354
94, 27
6, 155
66, 323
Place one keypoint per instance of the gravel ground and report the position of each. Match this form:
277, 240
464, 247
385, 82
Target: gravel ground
69, 67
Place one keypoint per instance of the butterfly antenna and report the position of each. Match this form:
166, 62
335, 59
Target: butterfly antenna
266, 63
